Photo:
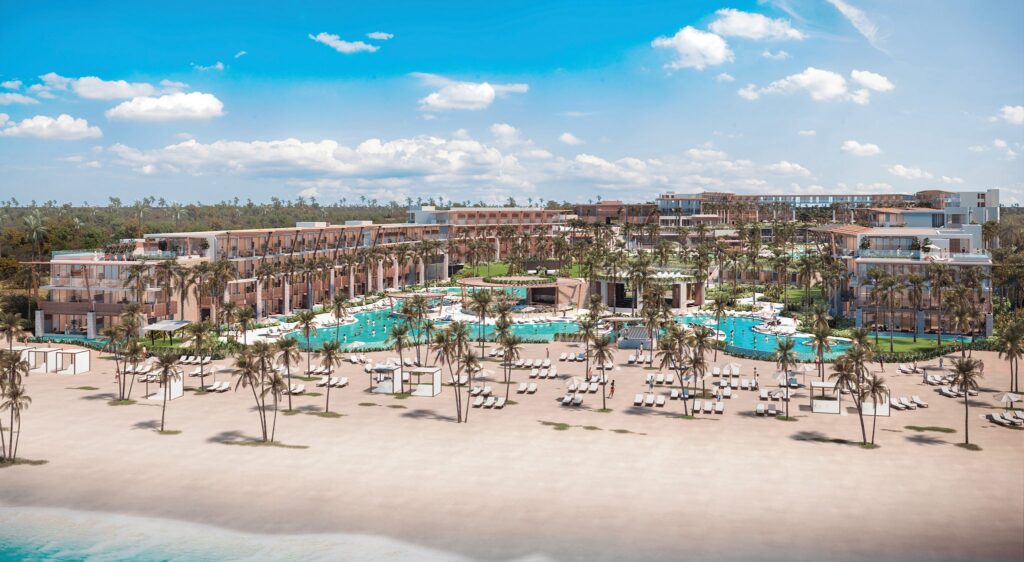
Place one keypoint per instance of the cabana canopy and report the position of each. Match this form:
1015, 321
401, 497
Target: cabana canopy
166, 326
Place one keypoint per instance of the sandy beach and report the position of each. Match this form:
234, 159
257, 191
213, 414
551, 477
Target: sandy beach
634, 483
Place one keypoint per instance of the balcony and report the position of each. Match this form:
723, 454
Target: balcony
80, 308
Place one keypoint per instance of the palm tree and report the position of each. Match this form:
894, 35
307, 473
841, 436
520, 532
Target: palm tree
719, 309
889, 287
399, 339
876, 277
915, 292
339, 311
966, 374
845, 377
603, 356
1010, 343
330, 357
167, 367
874, 388
480, 303
821, 343
12, 326
199, 331
245, 318
587, 331
305, 320
785, 358
228, 314
288, 354
250, 375
511, 345
275, 385
183, 279
940, 278
16, 400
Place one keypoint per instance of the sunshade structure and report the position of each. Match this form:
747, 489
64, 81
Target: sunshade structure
420, 388
1008, 398
165, 328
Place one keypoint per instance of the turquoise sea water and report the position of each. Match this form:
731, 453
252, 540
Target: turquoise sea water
38, 534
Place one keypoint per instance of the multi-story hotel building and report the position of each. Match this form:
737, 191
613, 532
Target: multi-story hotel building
270, 270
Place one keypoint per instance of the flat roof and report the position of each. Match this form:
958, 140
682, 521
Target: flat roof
166, 326
899, 210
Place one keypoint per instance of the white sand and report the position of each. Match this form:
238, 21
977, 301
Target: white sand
504, 486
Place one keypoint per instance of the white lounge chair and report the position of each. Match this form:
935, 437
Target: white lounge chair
920, 403
489, 403
478, 402
759, 410
298, 389
631, 359
998, 418
727, 393
522, 388
476, 390
487, 391
638, 399
562, 356
744, 383
697, 405
577, 400
670, 378
532, 388
323, 381
499, 403
772, 411
224, 386
719, 407
567, 399
546, 363
660, 400
674, 395
709, 406
896, 404
659, 378
534, 373
649, 400
907, 403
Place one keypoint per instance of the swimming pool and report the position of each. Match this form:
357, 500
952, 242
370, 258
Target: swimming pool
739, 333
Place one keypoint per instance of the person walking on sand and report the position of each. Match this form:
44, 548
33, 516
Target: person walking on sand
611, 392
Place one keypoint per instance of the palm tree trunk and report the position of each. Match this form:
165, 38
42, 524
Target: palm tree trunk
874, 421
163, 410
288, 373
967, 436
273, 430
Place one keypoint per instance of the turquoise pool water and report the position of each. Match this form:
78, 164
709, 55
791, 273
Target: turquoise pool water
739, 333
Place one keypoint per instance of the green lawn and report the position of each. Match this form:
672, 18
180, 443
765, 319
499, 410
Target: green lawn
907, 344
796, 294
495, 269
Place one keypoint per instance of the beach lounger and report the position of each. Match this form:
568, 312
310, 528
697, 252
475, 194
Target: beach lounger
299, 389
476, 390
562, 356
487, 391
631, 359
734, 384
724, 383
546, 363
567, 399
577, 400
342, 382
674, 395
772, 411
945, 391
489, 403
323, 381
333, 381
532, 388
753, 384
207, 360
660, 400
534, 373
895, 403
998, 418
594, 387
224, 386
522, 388
709, 406
670, 378
727, 393
759, 410
907, 403
920, 403
500, 403
572, 387
716, 371
719, 407
697, 405
1011, 419
764, 394
581, 356
744, 383
1015, 415
478, 402
648, 399
638, 399
659, 378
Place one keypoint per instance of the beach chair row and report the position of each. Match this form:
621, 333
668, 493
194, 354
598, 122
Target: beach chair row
768, 410
194, 360
649, 399
333, 382
708, 407
573, 357
585, 387
740, 384
544, 373
638, 359
525, 388
661, 378
489, 402
949, 392
1007, 419
903, 403
572, 400
774, 396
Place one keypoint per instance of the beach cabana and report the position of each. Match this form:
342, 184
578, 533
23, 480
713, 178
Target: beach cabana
420, 388
386, 378
176, 389
164, 328
42, 359
72, 361
824, 398
22, 350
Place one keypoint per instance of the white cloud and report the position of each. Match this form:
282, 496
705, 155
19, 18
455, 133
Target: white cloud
695, 49
779, 55
821, 85
910, 172
94, 88
380, 35
194, 105
734, 23
64, 127
859, 20
788, 168
11, 84
705, 154
807, 133
952, 180
725, 77
570, 139
93, 164
1004, 147
463, 95
218, 66
241, 54
872, 81
9, 98
860, 149
170, 86
505, 134
4, 118
1012, 114
342, 46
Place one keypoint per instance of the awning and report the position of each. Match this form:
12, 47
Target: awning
166, 326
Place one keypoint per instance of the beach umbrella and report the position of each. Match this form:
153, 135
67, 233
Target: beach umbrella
1008, 398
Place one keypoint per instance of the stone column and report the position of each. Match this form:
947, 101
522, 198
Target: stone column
497, 249
39, 324
380, 275
988, 324
444, 266
604, 291
394, 272
351, 284
259, 301
422, 272
287, 296
90, 325
333, 288
684, 296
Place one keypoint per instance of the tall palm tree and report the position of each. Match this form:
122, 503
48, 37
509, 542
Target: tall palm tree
275, 385
719, 309
874, 389
339, 311
1010, 343
915, 292
785, 358
288, 355
603, 356
399, 339
480, 303
16, 401
889, 288
167, 367
587, 332
821, 343
966, 375
183, 279
940, 277
511, 346
199, 332
250, 375
245, 318
330, 357
12, 326
305, 320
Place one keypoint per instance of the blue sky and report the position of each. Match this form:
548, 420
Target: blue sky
471, 100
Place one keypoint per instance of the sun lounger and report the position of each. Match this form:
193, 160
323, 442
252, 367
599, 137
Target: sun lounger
759, 410
499, 403
674, 395
224, 387
522, 388
342, 382
567, 399
478, 402
659, 378
534, 373
947, 392
562, 356
772, 411
594, 387
631, 359
727, 393
648, 399
724, 383
323, 381
298, 389
1015, 414
207, 360
638, 399
545, 363
998, 418
719, 407
1012, 419
489, 403
670, 378
660, 400
581, 356
716, 371
572, 387
907, 403
697, 405
744, 383
764, 394
476, 390
532, 388
709, 406
896, 404
487, 391
577, 400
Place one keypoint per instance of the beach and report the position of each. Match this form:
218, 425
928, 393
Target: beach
633, 483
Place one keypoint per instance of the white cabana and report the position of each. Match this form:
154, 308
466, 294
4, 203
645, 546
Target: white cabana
22, 350
386, 378
175, 389
72, 361
420, 388
42, 359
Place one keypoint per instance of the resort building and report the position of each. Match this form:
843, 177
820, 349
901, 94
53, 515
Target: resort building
615, 212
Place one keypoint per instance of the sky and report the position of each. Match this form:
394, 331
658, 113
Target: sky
209, 101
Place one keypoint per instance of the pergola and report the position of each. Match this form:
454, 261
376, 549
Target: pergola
433, 388
164, 327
